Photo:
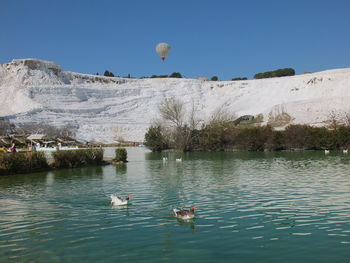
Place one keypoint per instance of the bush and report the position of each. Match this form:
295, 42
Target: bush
77, 158
276, 73
155, 140
160, 76
175, 75
239, 78
302, 137
253, 138
210, 138
20, 162
214, 78
121, 155
108, 74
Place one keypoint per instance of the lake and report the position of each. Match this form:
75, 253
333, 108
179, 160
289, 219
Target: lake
252, 207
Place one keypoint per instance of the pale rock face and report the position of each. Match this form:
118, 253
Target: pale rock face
109, 109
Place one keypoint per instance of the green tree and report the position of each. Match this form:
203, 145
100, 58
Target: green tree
108, 74
121, 155
160, 76
175, 75
276, 73
155, 140
214, 78
240, 78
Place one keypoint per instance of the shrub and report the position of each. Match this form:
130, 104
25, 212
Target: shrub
253, 138
234, 79
160, 76
211, 138
175, 75
108, 74
121, 155
77, 158
22, 162
275, 142
276, 73
214, 78
225, 137
155, 140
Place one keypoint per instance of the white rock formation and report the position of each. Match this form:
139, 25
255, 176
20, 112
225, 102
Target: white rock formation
106, 109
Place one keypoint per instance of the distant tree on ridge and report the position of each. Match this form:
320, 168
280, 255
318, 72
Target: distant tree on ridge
240, 78
108, 74
175, 75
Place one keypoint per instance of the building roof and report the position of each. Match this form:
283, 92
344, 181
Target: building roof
36, 136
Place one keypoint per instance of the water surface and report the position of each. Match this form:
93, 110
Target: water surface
252, 207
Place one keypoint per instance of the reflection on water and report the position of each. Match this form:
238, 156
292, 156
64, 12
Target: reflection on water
252, 207
121, 168
190, 223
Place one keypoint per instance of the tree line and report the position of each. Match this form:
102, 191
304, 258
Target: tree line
269, 74
221, 133
228, 137
107, 73
276, 73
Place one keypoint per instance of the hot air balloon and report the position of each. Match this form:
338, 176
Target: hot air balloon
162, 50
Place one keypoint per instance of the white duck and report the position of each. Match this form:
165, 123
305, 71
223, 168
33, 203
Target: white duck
185, 213
116, 200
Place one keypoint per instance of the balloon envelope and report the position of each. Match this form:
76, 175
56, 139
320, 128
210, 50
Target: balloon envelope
162, 50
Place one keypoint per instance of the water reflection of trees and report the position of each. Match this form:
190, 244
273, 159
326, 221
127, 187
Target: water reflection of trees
121, 169
78, 173
167, 184
213, 176
191, 181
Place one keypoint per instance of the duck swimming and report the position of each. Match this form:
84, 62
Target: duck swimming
185, 213
116, 200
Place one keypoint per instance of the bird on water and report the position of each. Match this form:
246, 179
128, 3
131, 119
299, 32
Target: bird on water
116, 200
185, 213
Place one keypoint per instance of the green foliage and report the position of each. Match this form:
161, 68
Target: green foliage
276, 142
121, 155
227, 136
214, 78
77, 158
175, 75
240, 78
276, 73
20, 162
211, 138
108, 74
252, 138
160, 76
155, 140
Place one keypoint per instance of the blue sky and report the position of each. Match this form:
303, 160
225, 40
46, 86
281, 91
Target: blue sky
226, 38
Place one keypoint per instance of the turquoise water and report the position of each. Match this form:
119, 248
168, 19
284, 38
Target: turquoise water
252, 207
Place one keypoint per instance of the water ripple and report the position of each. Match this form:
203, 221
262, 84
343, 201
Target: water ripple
245, 202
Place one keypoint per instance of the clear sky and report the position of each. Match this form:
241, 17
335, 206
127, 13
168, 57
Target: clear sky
226, 38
